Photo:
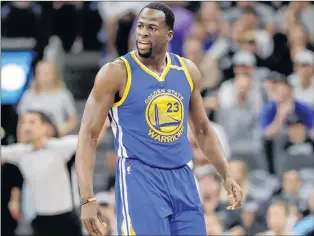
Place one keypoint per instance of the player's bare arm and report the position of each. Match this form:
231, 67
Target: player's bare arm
207, 139
110, 80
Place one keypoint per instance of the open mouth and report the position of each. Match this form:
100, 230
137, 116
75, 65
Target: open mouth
143, 45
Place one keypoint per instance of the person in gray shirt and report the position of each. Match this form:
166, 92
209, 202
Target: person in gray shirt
49, 95
240, 120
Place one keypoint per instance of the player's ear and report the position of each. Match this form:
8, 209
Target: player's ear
170, 35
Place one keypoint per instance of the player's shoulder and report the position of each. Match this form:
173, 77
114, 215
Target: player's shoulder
113, 72
190, 65
192, 69
117, 67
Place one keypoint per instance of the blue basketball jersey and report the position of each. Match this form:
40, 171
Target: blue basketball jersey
150, 121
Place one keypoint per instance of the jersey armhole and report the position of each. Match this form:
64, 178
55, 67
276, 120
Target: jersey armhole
128, 83
186, 72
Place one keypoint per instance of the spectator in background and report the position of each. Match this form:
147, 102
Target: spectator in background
275, 113
239, 171
210, 189
48, 94
110, 164
20, 19
297, 150
296, 13
290, 194
303, 78
269, 86
193, 50
306, 225
261, 41
252, 224
11, 185
277, 220
118, 18
244, 63
264, 13
242, 126
43, 164
299, 142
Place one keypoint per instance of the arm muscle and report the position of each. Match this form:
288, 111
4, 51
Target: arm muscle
107, 83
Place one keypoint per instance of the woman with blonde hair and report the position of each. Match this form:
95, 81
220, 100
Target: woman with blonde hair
49, 94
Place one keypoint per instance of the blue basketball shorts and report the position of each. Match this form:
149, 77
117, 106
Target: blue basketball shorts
154, 201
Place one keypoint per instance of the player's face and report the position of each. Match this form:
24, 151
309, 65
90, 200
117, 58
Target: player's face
152, 33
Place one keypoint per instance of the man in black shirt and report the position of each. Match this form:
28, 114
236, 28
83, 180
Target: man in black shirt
11, 185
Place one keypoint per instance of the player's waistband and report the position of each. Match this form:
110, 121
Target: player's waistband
152, 166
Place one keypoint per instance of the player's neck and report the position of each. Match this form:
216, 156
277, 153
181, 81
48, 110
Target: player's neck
157, 62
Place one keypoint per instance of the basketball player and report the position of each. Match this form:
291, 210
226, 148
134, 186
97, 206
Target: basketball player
148, 95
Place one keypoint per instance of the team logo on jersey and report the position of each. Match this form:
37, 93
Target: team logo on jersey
164, 115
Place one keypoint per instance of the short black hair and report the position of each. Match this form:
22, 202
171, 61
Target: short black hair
45, 119
169, 15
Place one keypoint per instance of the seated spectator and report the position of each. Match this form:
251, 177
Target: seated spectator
263, 41
306, 225
277, 220
252, 224
210, 188
239, 171
269, 86
275, 114
193, 50
303, 78
244, 63
290, 194
49, 95
264, 13
297, 151
299, 142
296, 13
242, 126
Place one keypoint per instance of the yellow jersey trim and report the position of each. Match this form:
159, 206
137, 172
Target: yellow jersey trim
176, 67
128, 83
148, 71
186, 72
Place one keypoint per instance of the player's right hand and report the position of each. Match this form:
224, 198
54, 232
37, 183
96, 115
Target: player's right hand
92, 219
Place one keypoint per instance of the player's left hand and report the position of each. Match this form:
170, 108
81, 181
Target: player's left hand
234, 193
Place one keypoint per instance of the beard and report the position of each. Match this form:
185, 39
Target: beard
146, 54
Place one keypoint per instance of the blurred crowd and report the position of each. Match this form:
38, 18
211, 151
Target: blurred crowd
257, 62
